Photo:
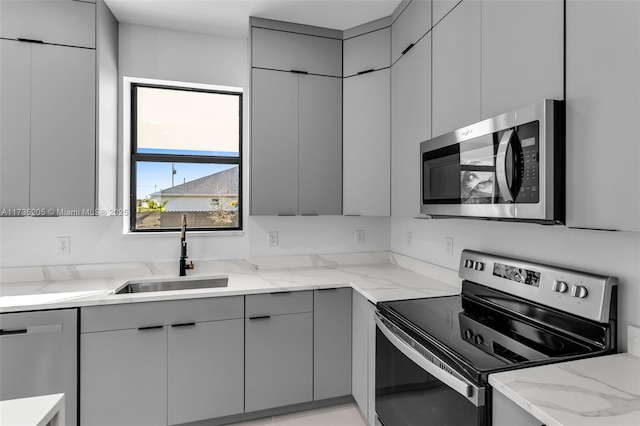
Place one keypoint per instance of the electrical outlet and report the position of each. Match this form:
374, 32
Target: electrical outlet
410, 239
273, 238
63, 245
449, 245
359, 236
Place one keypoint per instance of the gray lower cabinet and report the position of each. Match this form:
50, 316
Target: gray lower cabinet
160, 363
279, 350
331, 343
363, 356
507, 413
39, 356
124, 377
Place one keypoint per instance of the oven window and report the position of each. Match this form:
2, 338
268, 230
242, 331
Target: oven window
406, 395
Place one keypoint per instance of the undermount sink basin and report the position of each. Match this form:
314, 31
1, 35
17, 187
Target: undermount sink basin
174, 284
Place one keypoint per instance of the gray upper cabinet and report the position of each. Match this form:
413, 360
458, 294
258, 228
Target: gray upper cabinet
296, 124
274, 143
456, 69
286, 51
522, 53
63, 22
409, 27
331, 343
367, 52
442, 7
410, 125
366, 144
48, 126
279, 350
602, 105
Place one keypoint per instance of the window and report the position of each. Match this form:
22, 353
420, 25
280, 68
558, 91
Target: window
185, 158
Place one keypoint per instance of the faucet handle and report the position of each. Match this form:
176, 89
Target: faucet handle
191, 265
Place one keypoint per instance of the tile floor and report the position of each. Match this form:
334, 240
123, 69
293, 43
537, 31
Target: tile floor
338, 415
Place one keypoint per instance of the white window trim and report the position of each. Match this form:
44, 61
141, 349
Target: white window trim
127, 82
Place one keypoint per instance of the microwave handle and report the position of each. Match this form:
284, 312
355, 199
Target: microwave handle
501, 166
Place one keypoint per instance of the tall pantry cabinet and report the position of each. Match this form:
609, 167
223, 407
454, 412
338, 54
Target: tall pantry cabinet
48, 105
296, 119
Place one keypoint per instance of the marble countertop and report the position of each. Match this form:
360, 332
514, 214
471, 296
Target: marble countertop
600, 391
377, 276
46, 410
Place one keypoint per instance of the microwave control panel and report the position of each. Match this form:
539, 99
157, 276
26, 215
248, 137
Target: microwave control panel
529, 188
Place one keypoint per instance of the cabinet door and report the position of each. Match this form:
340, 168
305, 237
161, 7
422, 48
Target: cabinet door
64, 22
123, 377
206, 371
365, 52
63, 132
278, 361
603, 98
15, 124
366, 144
39, 356
363, 356
274, 143
286, 51
507, 413
413, 23
521, 63
410, 125
456, 68
442, 7
331, 343
320, 145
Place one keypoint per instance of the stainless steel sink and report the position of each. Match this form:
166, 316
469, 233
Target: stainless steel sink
169, 285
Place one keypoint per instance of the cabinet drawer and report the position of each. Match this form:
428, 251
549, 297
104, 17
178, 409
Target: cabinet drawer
367, 52
409, 27
66, 22
280, 50
279, 303
150, 314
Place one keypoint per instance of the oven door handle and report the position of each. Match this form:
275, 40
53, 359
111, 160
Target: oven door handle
468, 390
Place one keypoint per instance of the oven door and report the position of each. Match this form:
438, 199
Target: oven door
414, 387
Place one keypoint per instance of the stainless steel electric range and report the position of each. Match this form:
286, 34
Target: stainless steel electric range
434, 356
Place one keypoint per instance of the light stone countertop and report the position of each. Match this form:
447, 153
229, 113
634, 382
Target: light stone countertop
600, 391
377, 276
45, 410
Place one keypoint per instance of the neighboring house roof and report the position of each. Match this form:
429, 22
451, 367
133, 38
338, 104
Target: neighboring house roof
221, 183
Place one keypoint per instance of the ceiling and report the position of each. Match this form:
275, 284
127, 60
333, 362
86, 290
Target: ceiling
231, 17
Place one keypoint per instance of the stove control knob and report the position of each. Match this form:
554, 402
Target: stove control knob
478, 339
469, 263
467, 334
560, 286
479, 266
579, 291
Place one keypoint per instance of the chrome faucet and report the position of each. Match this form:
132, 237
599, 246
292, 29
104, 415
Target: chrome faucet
183, 250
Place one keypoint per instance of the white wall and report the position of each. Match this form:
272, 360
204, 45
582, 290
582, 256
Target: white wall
148, 52
604, 252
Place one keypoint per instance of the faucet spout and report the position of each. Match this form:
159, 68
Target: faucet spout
183, 248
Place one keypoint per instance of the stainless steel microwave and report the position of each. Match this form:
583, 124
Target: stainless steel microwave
509, 167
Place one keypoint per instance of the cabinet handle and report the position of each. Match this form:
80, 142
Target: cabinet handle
10, 332
278, 293
353, 215
328, 289
409, 47
186, 324
286, 214
366, 72
260, 317
299, 72
153, 327
309, 214
30, 40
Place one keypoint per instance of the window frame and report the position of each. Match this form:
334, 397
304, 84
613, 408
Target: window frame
135, 157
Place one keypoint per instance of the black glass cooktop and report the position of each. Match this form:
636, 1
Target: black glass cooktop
482, 338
